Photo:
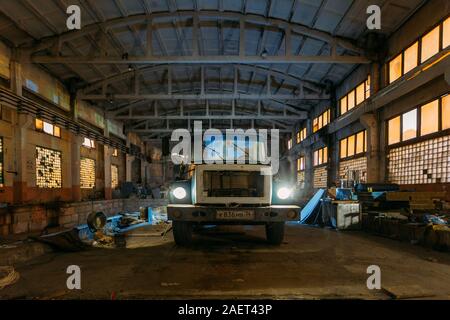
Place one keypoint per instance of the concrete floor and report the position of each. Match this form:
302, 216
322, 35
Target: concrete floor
312, 263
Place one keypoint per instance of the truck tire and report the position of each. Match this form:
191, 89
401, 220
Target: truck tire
275, 232
182, 232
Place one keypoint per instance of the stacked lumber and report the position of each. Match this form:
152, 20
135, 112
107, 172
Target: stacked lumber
417, 200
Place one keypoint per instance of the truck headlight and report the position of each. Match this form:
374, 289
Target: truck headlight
283, 193
179, 193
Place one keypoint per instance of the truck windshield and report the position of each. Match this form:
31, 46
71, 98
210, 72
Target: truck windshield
241, 151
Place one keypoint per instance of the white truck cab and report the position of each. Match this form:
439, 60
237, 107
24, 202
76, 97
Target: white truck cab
230, 194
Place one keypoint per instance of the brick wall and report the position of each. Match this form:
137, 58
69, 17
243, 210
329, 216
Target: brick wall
34, 218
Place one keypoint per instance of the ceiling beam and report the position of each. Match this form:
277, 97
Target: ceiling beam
227, 59
169, 131
249, 19
289, 118
241, 67
202, 96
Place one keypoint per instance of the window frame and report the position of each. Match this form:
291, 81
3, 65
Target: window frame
439, 119
321, 159
439, 41
91, 145
301, 135
366, 90
439, 25
417, 57
320, 120
417, 129
446, 20
301, 160
401, 55
419, 137
355, 143
41, 130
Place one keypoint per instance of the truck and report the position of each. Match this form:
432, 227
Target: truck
217, 194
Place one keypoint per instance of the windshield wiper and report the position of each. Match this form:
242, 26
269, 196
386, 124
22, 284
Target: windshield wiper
214, 150
239, 148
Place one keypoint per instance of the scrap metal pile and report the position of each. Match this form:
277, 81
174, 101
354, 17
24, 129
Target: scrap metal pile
102, 231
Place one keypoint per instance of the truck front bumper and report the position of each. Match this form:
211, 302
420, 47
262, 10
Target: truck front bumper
235, 215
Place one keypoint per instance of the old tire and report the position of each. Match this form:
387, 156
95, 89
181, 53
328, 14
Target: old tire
275, 232
182, 232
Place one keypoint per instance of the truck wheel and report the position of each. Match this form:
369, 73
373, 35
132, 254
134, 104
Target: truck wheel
275, 232
182, 232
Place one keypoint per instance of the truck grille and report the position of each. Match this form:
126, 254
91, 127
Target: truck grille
233, 184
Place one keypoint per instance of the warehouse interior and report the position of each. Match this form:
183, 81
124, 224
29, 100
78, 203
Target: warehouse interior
87, 115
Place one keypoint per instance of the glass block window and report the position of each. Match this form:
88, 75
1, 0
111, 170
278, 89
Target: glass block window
301, 179
301, 172
87, 173
114, 176
2, 181
420, 163
320, 177
353, 169
48, 168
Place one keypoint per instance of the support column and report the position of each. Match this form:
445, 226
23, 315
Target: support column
75, 162
107, 151
374, 78
74, 106
24, 122
128, 162
370, 123
16, 73
309, 169
143, 179
107, 154
333, 154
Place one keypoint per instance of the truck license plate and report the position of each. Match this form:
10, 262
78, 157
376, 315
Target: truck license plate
235, 214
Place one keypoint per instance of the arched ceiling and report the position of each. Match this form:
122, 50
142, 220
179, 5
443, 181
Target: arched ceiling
189, 57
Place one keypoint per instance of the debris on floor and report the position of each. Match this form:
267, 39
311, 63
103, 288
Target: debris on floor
107, 232
102, 240
8, 276
418, 217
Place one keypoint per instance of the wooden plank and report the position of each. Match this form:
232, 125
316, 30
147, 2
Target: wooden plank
407, 196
